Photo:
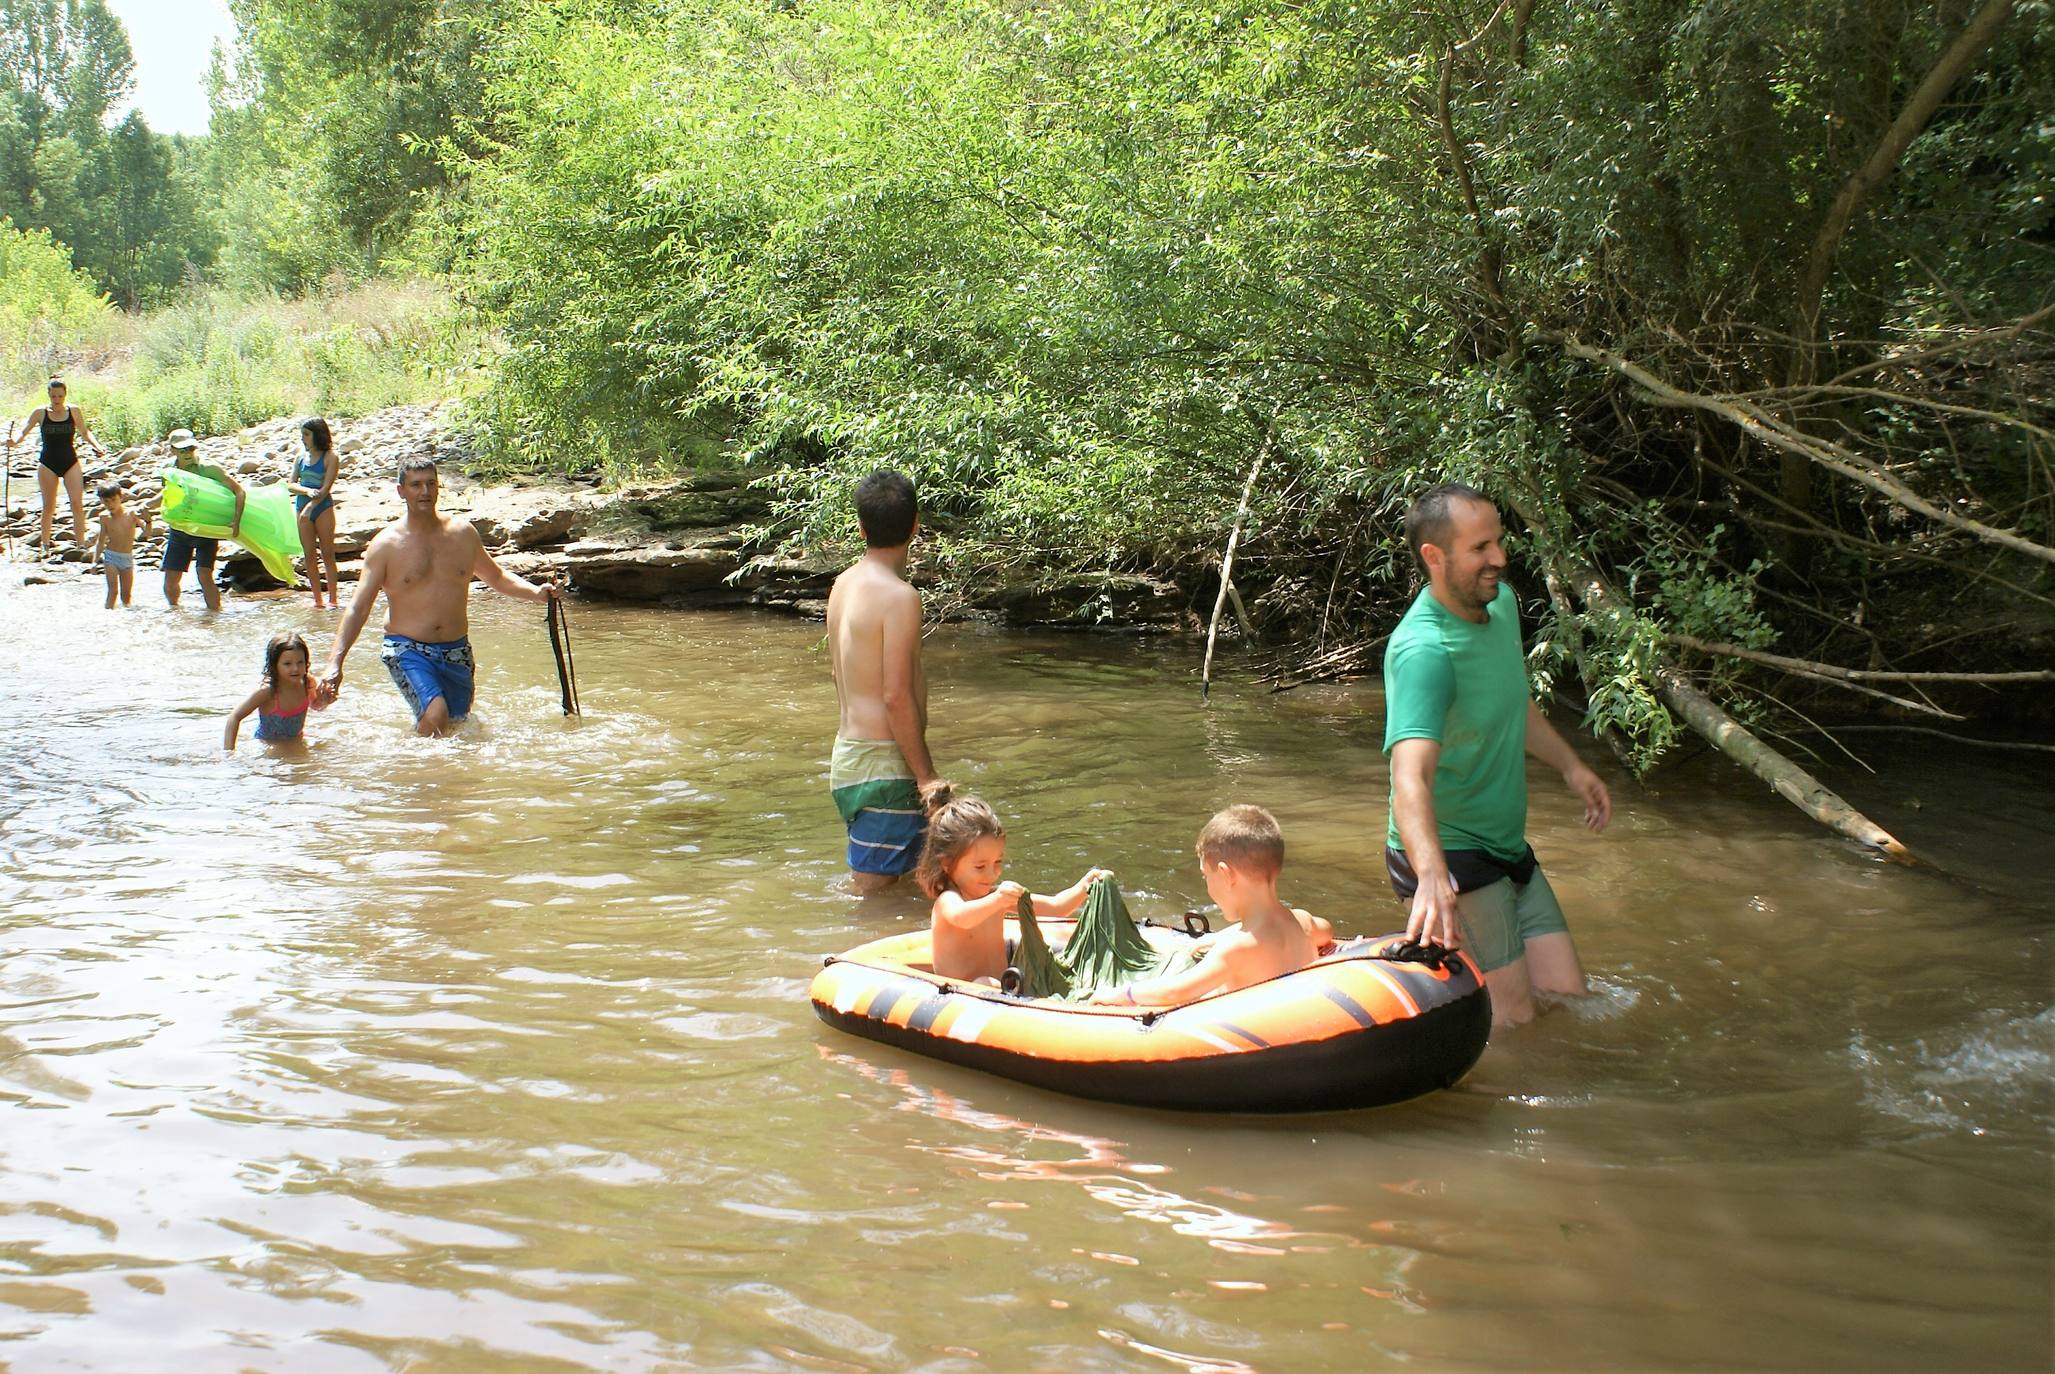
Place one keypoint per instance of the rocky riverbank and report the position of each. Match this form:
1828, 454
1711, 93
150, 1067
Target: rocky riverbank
691, 540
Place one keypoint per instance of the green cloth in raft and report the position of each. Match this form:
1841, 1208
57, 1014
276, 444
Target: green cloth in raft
1106, 951
198, 505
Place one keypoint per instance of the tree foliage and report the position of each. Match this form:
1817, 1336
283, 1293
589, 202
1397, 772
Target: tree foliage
331, 130
1740, 307
123, 199
1068, 263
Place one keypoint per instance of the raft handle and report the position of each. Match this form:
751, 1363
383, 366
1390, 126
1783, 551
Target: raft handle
1428, 953
1197, 923
1011, 983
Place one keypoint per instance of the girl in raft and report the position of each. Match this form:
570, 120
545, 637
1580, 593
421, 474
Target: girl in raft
313, 487
959, 868
282, 702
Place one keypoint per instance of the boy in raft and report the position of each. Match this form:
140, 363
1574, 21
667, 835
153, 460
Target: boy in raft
115, 545
881, 761
1241, 854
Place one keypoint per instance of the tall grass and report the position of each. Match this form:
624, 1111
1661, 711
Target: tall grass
218, 360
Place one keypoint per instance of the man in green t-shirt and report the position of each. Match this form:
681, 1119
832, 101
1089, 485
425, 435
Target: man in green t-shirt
1458, 726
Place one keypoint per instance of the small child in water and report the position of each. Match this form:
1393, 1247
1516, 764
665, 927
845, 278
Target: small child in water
959, 867
1241, 854
115, 547
281, 703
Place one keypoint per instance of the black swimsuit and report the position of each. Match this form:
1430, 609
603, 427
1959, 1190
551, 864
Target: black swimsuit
59, 460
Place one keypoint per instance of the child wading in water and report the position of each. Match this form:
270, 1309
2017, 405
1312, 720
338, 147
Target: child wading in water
281, 703
959, 867
313, 488
1241, 854
116, 545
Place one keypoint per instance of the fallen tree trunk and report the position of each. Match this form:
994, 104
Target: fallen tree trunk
1738, 743
1791, 782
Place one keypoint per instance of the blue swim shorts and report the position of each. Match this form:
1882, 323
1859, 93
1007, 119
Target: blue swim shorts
880, 805
117, 561
424, 672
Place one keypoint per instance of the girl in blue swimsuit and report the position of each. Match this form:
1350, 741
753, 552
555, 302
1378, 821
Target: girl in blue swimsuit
312, 485
282, 702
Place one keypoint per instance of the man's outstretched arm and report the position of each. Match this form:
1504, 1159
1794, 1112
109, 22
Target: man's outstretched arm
486, 569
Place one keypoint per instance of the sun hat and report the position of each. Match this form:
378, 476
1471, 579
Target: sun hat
182, 438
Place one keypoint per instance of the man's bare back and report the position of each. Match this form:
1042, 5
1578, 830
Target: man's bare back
880, 762
881, 690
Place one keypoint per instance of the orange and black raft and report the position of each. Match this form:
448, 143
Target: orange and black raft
1374, 1022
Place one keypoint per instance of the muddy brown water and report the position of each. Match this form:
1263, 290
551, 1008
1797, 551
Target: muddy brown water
495, 1053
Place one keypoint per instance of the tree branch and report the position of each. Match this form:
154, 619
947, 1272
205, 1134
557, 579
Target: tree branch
1733, 739
1227, 560
1489, 264
1829, 670
1883, 159
1784, 438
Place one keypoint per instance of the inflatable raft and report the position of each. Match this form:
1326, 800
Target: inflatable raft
1372, 1023
199, 505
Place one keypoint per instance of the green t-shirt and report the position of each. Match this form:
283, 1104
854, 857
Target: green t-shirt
1464, 685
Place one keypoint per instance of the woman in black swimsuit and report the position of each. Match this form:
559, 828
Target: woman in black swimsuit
61, 426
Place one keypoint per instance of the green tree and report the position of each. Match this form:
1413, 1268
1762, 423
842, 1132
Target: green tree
108, 194
331, 131
1076, 265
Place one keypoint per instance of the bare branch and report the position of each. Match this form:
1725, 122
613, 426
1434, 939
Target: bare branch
1962, 343
1883, 159
1782, 437
2023, 746
1829, 670
1901, 398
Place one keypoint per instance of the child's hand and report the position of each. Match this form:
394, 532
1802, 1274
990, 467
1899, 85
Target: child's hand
1010, 890
1093, 876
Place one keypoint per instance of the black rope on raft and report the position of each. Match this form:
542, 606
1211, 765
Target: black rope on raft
560, 645
1423, 952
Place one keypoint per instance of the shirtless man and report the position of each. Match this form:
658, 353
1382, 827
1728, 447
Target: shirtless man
424, 564
881, 758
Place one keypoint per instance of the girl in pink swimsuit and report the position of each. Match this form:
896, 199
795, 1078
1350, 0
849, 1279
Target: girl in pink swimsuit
282, 701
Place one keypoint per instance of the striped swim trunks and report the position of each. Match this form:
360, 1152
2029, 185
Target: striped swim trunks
880, 805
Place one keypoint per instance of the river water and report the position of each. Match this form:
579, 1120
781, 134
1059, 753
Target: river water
495, 1053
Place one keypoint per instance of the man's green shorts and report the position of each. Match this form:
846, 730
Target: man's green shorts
1499, 919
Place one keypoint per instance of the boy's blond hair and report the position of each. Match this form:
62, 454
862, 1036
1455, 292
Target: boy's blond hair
1244, 837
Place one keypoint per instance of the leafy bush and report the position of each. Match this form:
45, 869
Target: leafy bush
48, 311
